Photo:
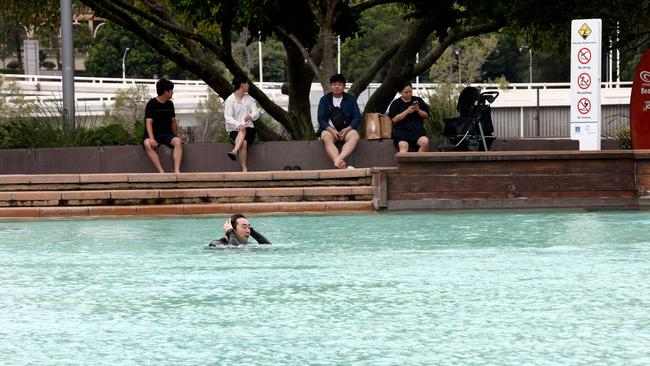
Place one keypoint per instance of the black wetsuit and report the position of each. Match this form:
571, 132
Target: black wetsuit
232, 239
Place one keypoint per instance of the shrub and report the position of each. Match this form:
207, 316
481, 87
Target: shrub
442, 104
13, 65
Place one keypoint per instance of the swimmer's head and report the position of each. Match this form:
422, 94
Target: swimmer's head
241, 227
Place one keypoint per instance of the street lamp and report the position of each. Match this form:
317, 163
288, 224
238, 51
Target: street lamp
530, 62
97, 28
457, 53
124, 66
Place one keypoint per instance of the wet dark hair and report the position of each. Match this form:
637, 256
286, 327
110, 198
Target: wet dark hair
234, 218
238, 80
163, 85
337, 78
403, 85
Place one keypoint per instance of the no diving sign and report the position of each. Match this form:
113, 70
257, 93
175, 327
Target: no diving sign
584, 56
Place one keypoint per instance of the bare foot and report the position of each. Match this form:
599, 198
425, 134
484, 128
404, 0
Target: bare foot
340, 164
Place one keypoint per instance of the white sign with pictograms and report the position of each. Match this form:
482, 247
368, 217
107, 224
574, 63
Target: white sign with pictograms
585, 82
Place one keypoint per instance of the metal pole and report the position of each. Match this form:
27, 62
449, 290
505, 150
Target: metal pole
417, 78
67, 54
338, 54
530, 65
259, 47
124, 66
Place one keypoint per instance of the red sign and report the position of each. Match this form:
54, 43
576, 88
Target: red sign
584, 80
584, 56
640, 104
584, 106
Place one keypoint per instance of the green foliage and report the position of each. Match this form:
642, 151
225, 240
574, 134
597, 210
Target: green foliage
471, 52
442, 104
379, 26
211, 124
301, 128
142, 61
128, 108
623, 138
29, 124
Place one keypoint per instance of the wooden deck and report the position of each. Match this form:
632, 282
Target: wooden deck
534, 179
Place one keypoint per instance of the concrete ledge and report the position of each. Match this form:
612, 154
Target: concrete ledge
211, 157
177, 210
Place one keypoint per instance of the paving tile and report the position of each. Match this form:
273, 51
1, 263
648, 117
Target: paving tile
85, 195
359, 190
199, 177
302, 207
258, 207
208, 209
14, 179
161, 210
112, 210
152, 177
279, 192
103, 178
183, 193
135, 194
10, 212
299, 174
54, 178
349, 206
231, 192
343, 173
62, 211
36, 196
327, 191
247, 176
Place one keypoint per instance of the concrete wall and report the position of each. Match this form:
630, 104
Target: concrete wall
212, 157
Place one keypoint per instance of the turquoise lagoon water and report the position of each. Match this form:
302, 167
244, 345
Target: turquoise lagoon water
455, 288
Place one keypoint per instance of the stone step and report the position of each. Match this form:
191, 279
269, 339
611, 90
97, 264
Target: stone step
183, 196
123, 181
187, 209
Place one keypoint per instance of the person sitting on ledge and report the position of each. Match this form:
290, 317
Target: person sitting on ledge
160, 126
338, 118
408, 113
236, 231
240, 110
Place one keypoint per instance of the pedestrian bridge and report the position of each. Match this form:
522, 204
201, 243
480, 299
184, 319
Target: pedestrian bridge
521, 110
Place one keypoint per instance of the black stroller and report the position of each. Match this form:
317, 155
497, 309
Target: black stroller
472, 130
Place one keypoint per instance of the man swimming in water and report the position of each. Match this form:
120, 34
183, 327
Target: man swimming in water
236, 231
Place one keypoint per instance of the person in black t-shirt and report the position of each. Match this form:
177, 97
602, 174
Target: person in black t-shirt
160, 126
408, 113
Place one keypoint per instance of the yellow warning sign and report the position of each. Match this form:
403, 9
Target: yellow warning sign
584, 31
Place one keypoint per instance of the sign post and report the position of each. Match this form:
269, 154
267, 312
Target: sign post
586, 38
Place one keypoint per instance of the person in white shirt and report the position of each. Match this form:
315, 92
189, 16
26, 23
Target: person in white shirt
240, 110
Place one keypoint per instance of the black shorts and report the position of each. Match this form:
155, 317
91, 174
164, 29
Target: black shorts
250, 135
162, 139
413, 144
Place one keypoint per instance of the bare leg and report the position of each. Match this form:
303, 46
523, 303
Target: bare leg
243, 155
153, 155
330, 147
178, 153
403, 146
239, 140
351, 141
423, 143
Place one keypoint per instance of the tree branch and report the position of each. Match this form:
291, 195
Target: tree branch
361, 83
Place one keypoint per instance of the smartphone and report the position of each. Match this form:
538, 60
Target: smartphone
415, 103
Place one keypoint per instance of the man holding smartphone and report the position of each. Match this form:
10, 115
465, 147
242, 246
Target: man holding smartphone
408, 113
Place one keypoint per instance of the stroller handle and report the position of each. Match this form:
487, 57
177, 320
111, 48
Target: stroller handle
488, 96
